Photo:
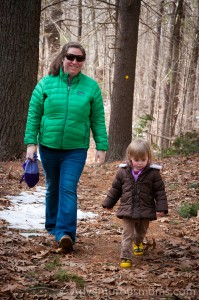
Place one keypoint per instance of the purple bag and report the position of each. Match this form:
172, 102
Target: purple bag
31, 172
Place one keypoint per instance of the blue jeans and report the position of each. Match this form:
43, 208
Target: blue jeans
62, 171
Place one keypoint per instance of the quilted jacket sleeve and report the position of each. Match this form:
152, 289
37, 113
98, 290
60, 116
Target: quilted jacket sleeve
160, 194
97, 119
115, 192
35, 113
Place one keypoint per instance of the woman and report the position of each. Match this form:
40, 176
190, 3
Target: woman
64, 107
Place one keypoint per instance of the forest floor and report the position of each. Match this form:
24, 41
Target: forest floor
32, 267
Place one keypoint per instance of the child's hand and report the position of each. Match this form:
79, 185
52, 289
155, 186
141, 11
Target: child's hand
160, 214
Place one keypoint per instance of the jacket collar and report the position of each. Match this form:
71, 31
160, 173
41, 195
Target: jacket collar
142, 175
151, 166
65, 76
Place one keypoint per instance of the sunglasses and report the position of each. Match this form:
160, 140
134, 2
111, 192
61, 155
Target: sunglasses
72, 57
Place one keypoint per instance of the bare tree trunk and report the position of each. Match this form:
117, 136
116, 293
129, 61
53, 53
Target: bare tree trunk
99, 73
51, 35
156, 58
80, 20
174, 83
120, 128
155, 62
192, 99
19, 35
166, 85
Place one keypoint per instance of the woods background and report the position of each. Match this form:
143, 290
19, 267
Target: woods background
144, 55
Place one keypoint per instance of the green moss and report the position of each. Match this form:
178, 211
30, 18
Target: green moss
188, 210
63, 275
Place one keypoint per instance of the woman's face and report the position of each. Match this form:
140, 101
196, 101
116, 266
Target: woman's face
73, 61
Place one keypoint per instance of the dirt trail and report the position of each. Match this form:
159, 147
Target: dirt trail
33, 268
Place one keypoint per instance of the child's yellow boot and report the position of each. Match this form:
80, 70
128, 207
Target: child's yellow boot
138, 249
125, 263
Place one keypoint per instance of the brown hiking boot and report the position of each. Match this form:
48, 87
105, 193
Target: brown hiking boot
66, 243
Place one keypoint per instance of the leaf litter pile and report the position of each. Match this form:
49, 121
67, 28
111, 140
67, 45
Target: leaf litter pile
32, 267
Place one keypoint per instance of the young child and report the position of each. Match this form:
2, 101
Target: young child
140, 188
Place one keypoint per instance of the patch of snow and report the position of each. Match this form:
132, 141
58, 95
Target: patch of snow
28, 211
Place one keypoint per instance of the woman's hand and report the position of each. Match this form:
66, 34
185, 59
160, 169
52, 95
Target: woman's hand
31, 149
100, 156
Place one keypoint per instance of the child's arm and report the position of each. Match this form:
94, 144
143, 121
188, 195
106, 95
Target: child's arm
114, 193
160, 196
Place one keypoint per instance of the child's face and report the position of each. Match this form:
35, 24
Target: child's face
139, 163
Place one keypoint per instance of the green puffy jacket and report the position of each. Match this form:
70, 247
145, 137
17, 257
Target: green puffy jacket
60, 115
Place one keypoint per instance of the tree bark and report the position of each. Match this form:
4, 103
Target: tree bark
191, 95
166, 85
51, 34
120, 128
80, 20
19, 50
174, 82
155, 62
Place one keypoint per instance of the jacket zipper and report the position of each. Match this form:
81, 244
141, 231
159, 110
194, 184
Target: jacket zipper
67, 99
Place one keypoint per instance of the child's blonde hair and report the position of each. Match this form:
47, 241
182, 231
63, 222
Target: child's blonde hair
138, 149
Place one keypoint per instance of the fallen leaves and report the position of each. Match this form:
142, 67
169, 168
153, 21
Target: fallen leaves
168, 270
